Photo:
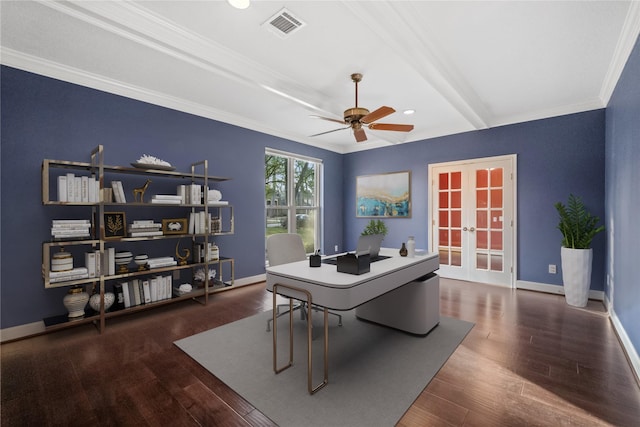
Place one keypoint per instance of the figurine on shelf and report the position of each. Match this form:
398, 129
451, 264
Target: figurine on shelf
140, 191
183, 259
199, 276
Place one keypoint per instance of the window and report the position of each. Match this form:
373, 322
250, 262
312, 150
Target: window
292, 196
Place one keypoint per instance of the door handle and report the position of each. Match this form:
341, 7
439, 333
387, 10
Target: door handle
472, 229
465, 229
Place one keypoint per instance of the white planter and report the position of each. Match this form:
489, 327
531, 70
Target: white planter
576, 275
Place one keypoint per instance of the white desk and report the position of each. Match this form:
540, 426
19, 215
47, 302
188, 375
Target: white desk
388, 294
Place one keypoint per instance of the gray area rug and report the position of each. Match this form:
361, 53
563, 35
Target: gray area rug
375, 373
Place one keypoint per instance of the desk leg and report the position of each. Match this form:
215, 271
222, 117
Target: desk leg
275, 335
277, 370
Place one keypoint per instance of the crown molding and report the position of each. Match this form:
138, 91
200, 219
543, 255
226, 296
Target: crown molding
36, 65
628, 37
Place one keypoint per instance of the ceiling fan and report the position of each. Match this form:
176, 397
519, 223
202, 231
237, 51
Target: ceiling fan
357, 118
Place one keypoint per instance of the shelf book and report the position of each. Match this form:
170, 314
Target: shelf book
145, 291
145, 228
78, 189
118, 192
70, 228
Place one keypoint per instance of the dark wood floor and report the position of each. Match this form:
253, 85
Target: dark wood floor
529, 360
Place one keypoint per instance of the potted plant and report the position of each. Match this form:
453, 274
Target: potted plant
578, 227
375, 226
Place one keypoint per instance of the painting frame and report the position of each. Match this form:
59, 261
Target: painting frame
114, 225
385, 195
169, 226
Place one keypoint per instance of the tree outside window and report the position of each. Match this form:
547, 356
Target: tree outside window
291, 199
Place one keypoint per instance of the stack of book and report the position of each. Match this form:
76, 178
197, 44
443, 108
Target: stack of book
70, 228
145, 227
198, 222
93, 263
63, 276
212, 252
190, 194
118, 192
144, 291
166, 261
218, 203
78, 189
167, 199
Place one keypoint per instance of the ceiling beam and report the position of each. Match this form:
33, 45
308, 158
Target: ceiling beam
428, 62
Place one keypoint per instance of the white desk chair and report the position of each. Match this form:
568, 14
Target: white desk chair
283, 248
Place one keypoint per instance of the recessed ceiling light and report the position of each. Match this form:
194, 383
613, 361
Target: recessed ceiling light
409, 111
239, 4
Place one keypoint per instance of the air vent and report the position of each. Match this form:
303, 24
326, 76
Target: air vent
284, 23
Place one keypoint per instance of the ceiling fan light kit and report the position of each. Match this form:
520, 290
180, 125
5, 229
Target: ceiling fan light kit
239, 4
357, 117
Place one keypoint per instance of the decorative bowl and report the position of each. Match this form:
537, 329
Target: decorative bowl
123, 257
141, 261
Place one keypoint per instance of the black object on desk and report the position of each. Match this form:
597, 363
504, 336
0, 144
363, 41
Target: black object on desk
315, 260
353, 264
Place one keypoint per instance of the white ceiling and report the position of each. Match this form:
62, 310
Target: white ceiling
461, 65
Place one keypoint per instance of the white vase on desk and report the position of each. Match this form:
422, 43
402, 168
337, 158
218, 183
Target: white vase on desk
411, 247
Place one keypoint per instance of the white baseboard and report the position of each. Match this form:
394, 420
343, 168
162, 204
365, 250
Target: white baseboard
554, 289
35, 328
21, 331
632, 354
250, 280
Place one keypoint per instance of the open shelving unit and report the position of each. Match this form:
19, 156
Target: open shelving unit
98, 241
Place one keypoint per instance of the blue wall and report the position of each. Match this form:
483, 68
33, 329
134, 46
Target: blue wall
623, 197
46, 118
556, 157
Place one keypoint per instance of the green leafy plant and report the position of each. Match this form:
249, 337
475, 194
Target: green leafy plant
375, 226
578, 227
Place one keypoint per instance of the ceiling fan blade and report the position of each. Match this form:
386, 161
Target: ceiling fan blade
329, 131
389, 137
377, 114
328, 119
360, 135
391, 126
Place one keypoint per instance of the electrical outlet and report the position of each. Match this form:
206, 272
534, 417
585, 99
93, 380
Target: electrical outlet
552, 268
336, 248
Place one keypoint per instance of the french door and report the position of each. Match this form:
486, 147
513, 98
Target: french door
472, 219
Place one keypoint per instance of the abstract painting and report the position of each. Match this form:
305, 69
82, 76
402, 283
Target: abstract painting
384, 195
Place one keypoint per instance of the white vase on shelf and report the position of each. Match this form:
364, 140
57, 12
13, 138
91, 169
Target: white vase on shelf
75, 301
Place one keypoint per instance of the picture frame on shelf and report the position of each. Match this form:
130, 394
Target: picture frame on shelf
114, 225
384, 195
175, 226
